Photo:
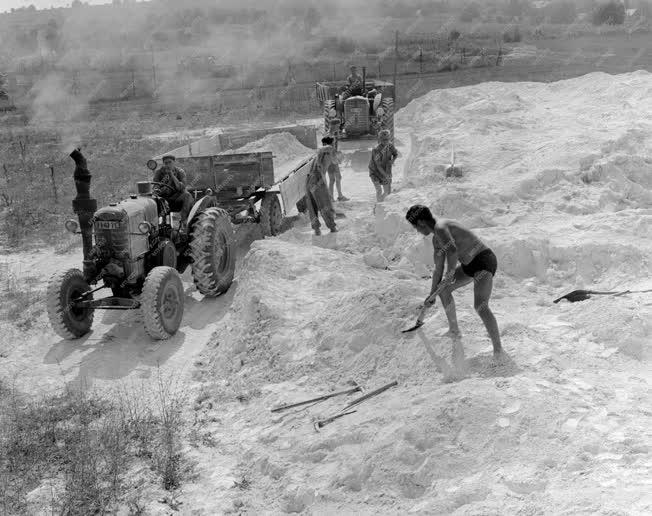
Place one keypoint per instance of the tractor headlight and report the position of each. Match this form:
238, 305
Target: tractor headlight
151, 164
144, 227
72, 225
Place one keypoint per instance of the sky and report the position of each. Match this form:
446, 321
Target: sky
6, 5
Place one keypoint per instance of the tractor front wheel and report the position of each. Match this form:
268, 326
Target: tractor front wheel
271, 215
66, 320
162, 302
212, 247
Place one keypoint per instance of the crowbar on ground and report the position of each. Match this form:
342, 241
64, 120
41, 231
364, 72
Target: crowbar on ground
370, 395
357, 388
324, 422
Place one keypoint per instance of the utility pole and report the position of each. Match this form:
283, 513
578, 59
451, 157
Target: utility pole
133, 82
395, 65
153, 70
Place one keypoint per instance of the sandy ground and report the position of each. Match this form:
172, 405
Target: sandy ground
557, 181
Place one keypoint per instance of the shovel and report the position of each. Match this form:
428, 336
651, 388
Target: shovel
582, 295
423, 310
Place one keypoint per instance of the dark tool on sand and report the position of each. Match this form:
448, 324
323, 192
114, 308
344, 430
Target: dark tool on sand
370, 395
357, 388
324, 422
423, 310
582, 295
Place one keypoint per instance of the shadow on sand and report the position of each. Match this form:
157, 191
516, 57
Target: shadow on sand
483, 365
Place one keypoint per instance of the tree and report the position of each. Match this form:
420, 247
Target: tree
470, 12
611, 13
562, 12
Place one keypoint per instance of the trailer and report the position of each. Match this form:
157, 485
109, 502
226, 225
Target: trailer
243, 184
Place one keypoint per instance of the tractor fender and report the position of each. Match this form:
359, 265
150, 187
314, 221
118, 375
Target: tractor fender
201, 205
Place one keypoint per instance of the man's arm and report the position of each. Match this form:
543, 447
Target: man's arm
181, 179
437, 273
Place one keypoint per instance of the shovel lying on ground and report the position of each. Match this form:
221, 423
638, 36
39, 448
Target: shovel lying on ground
582, 295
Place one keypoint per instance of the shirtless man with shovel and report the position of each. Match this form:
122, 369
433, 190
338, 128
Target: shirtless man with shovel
453, 243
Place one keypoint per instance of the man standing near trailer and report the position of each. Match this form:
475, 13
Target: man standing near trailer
318, 198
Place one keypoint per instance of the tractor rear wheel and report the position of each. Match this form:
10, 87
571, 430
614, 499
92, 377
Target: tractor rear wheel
66, 320
330, 111
212, 247
162, 302
387, 119
271, 215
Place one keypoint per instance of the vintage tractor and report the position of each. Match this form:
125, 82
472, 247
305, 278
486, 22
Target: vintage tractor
359, 116
132, 248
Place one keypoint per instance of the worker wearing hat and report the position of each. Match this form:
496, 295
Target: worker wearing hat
170, 184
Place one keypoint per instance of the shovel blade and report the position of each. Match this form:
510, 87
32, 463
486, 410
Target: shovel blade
414, 328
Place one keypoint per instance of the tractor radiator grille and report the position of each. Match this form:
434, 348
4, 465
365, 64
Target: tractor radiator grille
356, 115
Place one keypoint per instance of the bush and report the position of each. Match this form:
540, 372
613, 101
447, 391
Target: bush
611, 13
83, 445
512, 36
454, 35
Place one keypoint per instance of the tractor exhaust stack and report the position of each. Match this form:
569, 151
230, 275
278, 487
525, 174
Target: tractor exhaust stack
85, 207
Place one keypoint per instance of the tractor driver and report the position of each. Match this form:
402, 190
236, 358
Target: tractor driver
172, 188
354, 83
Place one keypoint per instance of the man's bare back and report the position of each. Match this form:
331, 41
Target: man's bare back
467, 244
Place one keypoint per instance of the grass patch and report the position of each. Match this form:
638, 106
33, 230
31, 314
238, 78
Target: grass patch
70, 452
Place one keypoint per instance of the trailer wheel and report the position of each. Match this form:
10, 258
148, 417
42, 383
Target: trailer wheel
68, 322
162, 302
212, 248
271, 215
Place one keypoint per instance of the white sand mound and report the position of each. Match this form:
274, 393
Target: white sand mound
458, 435
530, 164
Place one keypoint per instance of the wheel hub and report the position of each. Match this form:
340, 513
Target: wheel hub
170, 303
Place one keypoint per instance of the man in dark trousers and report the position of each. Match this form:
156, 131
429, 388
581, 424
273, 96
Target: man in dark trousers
318, 197
453, 243
172, 187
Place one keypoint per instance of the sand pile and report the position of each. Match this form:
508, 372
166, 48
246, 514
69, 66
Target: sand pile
530, 170
555, 181
287, 151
